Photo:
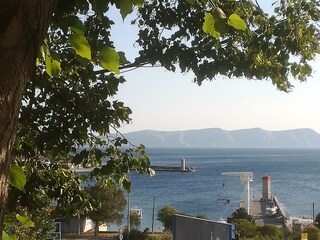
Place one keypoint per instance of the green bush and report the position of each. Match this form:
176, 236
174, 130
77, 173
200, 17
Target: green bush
245, 229
240, 213
271, 231
161, 236
134, 235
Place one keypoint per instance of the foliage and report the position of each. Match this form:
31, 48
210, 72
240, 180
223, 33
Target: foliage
67, 106
202, 216
45, 183
161, 236
249, 230
240, 213
245, 228
317, 220
165, 216
135, 235
231, 38
108, 204
69, 102
134, 219
271, 231
313, 232
24, 225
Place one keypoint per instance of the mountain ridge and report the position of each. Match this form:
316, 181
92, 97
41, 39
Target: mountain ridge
221, 138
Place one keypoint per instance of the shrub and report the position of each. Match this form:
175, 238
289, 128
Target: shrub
161, 236
134, 235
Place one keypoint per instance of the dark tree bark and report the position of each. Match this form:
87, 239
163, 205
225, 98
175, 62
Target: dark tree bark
23, 25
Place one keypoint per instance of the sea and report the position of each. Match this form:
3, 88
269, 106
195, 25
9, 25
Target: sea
295, 180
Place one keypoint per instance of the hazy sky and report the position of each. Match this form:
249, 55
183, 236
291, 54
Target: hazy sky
162, 100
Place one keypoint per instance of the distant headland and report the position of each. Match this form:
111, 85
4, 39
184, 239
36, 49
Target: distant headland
220, 138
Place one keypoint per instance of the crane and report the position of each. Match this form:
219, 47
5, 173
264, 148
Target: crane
245, 179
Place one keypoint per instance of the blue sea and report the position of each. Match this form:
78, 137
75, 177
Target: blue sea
295, 179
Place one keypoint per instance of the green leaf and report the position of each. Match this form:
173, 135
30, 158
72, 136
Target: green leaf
218, 13
191, 1
123, 59
110, 59
70, 22
24, 220
126, 184
138, 3
6, 236
80, 44
236, 22
17, 177
53, 67
75, 24
100, 7
125, 8
208, 26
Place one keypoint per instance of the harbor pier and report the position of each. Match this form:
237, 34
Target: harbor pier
258, 211
281, 218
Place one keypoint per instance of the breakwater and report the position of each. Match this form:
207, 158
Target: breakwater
172, 169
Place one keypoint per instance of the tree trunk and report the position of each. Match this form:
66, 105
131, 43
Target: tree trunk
96, 228
23, 25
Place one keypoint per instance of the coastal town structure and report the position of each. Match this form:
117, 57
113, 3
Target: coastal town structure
281, 218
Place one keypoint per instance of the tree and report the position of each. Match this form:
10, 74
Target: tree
135, 235
245, 229
65, 104
313, 232
50, 52
134, 219
240, 213
108, 204
202, 216
234, 38
317, 220
22, 31
271, 231
165, 216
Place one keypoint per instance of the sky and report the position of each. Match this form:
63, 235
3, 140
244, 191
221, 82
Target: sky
166, 101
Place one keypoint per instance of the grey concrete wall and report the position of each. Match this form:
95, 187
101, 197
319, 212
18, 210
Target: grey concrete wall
190, 228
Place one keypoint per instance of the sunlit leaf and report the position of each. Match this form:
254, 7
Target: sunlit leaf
53, 67
17, 177
75, 24
236, 22
208, 26
80, 45
125, 8
26, 221
138, 3
6, 236
110, 59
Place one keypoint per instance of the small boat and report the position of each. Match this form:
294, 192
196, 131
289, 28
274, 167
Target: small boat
271, 208
137, 211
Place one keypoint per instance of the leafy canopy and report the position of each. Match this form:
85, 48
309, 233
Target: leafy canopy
108, 204
69, 108
69, 116
231, 38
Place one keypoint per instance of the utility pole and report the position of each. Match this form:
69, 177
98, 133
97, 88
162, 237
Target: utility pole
154, 200
128, 237
313, 214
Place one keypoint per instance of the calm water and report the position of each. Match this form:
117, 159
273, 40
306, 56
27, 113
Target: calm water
295, 179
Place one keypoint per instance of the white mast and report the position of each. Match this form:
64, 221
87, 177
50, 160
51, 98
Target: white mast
245, 179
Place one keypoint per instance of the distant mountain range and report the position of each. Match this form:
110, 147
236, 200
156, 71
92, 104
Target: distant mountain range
220, 138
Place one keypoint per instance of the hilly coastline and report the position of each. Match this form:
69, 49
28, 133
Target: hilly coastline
220, 138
